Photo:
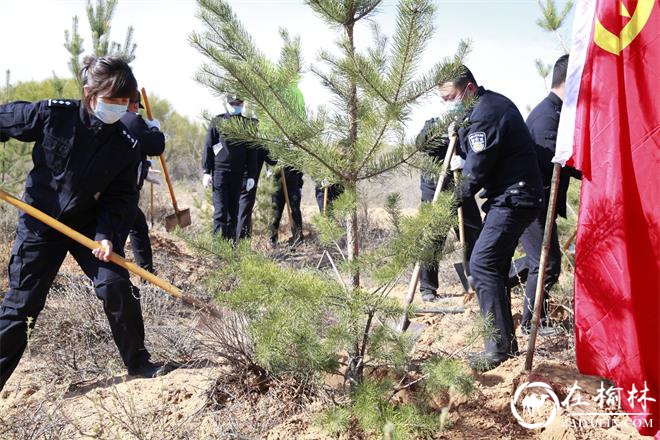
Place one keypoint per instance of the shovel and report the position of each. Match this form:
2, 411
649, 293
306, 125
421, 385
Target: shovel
117, 259
462, 274
180, 218
285, 189
414, 279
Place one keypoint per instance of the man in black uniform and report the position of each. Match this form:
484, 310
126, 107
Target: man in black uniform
152, 143
500, 158
543, 122
294, 184
436, 150
84, 175
224, 162
248, 197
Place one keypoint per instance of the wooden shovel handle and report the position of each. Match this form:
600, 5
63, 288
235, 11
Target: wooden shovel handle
163, 166
414, 279
117, 259
461, 231
89, 243
287, 201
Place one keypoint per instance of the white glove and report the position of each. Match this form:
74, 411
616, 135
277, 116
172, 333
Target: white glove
269, 172
153, 123
456, 163
249, 184
153, 176
207, 180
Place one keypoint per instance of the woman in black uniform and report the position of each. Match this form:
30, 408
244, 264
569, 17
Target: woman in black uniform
84, 175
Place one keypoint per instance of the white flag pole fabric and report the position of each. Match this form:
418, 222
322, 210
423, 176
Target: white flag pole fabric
582, 32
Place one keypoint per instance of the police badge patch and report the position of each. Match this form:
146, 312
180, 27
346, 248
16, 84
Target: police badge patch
477, 141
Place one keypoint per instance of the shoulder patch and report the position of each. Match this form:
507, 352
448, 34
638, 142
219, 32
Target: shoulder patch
477, 141
62, 103
129, 138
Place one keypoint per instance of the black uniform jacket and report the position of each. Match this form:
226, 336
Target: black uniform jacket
499, 155
150, 140
543, 122
221, 154
435, 148
84, 170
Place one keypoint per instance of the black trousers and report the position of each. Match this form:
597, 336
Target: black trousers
226, 194
532, 242
33, 265
489, 265
246, 203
140, 242
428, 275
334, 191
294, 183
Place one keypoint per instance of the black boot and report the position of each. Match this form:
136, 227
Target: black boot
148, 370
485, 361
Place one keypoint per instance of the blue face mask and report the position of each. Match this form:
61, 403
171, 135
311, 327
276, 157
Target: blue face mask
237, 109
109, 113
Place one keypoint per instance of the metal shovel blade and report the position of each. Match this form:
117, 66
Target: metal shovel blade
180, 219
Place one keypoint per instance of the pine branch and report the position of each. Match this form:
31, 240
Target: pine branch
246, 51
414, 28
343, 13
73, 43
551, 20
99, 18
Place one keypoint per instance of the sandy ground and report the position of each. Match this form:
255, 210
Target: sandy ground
200, 400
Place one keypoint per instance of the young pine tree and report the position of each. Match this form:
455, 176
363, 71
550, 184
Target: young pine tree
359, 135
99, 16
303, 322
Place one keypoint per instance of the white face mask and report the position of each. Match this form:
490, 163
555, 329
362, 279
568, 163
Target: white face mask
237, 109
109, 113
454, 106
457, 104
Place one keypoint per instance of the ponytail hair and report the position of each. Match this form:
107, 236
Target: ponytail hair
109, 76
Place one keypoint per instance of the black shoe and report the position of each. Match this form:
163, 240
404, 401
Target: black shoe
544, 330
148, 370
484, 361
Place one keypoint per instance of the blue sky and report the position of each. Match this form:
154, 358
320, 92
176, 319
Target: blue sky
505, 43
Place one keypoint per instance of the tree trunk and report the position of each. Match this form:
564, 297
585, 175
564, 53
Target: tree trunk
353, 246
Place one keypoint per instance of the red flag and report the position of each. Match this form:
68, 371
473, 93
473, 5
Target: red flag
614, 79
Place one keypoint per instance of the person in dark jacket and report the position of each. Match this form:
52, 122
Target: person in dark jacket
248, 197
497, 154
334, 190
543, 123
224, 162
294, 184
436, 149
152, 143
84, 175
